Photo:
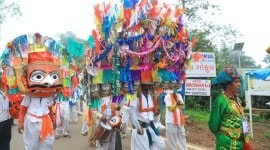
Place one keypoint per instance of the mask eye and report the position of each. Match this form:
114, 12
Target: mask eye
55, 76
37, 76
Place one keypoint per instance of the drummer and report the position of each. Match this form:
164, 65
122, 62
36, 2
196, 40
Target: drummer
107, 111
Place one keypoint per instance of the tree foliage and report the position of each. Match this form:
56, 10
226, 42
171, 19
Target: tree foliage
201, 16
212, 37
267, 60
63, 39
8, 9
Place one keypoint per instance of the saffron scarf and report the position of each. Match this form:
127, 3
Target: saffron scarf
104, 107
182, 118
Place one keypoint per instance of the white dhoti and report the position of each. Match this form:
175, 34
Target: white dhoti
125, 118
62, 118
31, 135
141, 142
176, 136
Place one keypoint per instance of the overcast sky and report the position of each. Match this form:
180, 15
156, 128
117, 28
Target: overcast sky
50, 17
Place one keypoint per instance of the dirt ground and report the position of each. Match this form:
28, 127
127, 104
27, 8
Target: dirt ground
199, 134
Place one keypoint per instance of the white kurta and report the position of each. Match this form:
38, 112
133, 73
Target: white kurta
109, 142
141, 142
32, 125
175, 133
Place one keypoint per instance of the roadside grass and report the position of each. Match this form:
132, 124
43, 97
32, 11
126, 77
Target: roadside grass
197, 115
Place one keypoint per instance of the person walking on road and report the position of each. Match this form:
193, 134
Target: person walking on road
145, 136
227, 120
5, 123
175, 121
112, 140
61, 118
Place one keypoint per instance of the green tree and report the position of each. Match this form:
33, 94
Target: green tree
8, 9
245, 61
212, 37
201, 16
223, 58
267, 60
63, 39
203, 44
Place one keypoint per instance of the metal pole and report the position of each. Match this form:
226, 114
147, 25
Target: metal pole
239, 62
249, 107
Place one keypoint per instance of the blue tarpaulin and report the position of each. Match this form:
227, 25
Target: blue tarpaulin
263, 74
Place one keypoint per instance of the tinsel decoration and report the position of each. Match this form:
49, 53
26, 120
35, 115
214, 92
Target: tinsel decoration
115, 69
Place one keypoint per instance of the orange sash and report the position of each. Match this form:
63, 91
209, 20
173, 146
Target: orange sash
90, 117
104, 107
154, 108
182, 121
46, 127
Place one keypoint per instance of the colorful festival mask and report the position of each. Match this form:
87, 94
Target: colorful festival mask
42, 76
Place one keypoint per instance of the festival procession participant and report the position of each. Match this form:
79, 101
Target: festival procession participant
109, 122
86, 121
125, 111
175, 120
5, 122
40, 78
61, 110
145, 135
227, 119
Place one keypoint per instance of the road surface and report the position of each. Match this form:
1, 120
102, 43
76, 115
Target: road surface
77, 141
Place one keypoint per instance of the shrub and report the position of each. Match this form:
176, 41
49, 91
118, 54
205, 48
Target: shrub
267, 134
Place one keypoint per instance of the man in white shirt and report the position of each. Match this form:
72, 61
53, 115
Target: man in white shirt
175, 131
5, 123
112, 140
145, 136
36, 122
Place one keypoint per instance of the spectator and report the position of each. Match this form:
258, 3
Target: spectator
227, 120
5, 123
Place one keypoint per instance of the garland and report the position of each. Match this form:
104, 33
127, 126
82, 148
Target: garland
167, 54
127, 50
103, 54
152, 49
115, 71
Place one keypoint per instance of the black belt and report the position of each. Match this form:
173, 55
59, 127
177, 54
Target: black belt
144, 124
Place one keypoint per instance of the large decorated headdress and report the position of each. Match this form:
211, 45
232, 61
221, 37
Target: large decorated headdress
144, 42
34, 61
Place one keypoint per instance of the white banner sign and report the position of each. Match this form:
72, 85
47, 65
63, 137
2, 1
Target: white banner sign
203, 64
197, 87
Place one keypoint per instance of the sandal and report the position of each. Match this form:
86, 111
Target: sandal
67, 136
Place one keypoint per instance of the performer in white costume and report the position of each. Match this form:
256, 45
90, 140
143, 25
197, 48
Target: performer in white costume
41, 79
104, 114
62, 118
145, 136
175, 130
37, 127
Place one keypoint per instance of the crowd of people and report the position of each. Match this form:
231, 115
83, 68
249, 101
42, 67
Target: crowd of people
107, 125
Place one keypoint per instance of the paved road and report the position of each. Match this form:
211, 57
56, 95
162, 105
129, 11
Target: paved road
76, 142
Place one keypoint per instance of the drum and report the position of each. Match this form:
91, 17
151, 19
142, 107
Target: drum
103, 131
115, 121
